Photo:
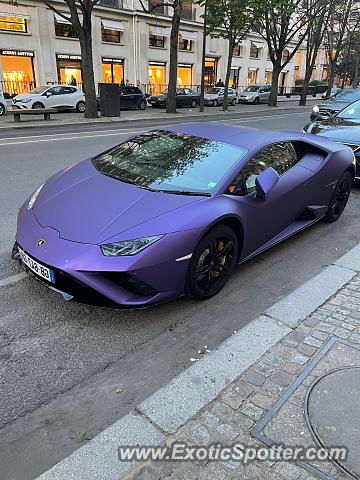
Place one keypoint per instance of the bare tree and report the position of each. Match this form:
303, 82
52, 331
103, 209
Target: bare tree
313, 40
80, 16
284, 26
177, 8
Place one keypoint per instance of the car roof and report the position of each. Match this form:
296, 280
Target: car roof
245, 137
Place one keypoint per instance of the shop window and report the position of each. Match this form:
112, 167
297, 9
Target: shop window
184, 76
112, 36
13, 24
69, 71
18, 73
157, 78
185, 44
156, 41
268, 77
252, 76
66, 30
210, 71
254, 51
112, 71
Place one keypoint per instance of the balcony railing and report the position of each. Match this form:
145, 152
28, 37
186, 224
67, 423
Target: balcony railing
111, 3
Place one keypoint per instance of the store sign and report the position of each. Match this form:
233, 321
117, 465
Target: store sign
17, 53
112, 60
65, 56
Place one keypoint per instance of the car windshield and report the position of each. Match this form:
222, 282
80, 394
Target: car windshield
40, 90
349, 95
215, 90
253, 88
171, 162
351, 112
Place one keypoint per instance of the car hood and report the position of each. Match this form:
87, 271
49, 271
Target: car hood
25, 95
210, 95
86, 206
248, 94
338, 129
334, 105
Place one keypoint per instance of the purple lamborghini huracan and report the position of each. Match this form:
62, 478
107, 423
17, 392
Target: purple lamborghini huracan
172, 211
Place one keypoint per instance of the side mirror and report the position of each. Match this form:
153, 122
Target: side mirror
48, 94
265, 182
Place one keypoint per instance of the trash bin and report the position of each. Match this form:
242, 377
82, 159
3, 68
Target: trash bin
109, 99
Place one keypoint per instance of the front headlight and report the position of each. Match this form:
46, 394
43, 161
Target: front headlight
26, 100
128, 247
34, 197
316, 109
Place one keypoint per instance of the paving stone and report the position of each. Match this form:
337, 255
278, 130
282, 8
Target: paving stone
263, 401
210, 420
355, 315
319, 335
263, 368
243, 389
167, 468
355, 338
300, 359
146, 473
348, 326
311, 321
290, 367
186, 471
227, 432
254, 378
221, 410
200, 434
307, 350
272, 388
288, 470
325, 327
213, 471
273, 360
313, 342
243, 422
282, 378
341, 332
252, 411
289, 343
232, 398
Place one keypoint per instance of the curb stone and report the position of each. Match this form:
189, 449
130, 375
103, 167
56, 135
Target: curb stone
177, 402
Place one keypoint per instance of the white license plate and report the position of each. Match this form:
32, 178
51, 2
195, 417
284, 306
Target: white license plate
36, 267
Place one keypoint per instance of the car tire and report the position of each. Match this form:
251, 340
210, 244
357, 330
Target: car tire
215, 103
257, 101
80, 107
2, 109
38, 105
208, 271
193, 104
339, 198
141, 105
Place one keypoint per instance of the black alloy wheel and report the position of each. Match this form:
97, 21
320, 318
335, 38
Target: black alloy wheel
339, 198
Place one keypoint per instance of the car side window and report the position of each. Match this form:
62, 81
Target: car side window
55, 90
280, 156
67, 90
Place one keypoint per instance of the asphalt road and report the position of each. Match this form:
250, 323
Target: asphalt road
68, 371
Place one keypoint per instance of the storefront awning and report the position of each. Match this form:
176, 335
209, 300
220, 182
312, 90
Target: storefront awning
160, 31
189, 35
60, 19
112, 25
257, 44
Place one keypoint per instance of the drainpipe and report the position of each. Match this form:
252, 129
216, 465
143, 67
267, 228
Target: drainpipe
134, 44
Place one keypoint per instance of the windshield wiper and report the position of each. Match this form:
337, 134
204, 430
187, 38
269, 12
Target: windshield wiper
185, 192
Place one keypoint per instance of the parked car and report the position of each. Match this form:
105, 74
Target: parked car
334, 105
2, 104
130, 97
344, 127
185, 97
255, 94
172, 211
61, 97
215, 96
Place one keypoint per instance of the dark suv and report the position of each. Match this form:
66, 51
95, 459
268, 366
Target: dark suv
130, 97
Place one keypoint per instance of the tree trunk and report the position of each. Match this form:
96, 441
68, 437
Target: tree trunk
228, 72
274, 85
174, 41
87, 67
356, 78
331, 79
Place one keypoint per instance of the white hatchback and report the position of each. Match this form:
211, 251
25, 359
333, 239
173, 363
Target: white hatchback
60, 97
2, 104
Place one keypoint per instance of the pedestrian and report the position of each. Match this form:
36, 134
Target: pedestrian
220, 83
73, 81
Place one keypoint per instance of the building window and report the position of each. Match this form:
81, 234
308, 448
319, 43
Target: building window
112, 70
184, 75
111, 3
157, 77
13, 24
158, 9
286, 55
234, 77
254, 51
187, 11
63, 28
237, 51
69, 68
156, 41
111, 31
210, 71
185, 44
268, 77
252, 76
17, 71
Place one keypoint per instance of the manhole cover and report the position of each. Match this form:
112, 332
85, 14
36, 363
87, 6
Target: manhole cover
333, 414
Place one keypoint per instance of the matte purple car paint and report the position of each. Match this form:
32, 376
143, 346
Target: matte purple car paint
80, 208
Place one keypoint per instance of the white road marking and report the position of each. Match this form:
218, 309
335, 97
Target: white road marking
13, 279
126, 130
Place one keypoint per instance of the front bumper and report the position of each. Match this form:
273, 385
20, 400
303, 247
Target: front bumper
83, 274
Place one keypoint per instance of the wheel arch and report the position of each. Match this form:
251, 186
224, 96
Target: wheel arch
235, 224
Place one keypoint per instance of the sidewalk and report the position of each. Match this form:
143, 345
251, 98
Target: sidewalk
150, 114
253, 389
